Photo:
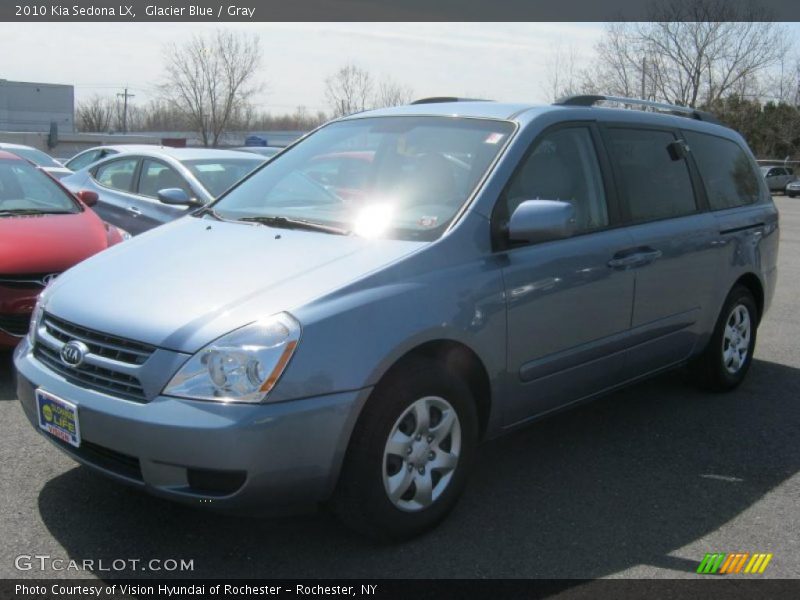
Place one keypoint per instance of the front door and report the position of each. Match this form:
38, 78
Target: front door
569, 310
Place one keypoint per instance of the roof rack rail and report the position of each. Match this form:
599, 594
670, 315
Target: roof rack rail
440, 99
591, 100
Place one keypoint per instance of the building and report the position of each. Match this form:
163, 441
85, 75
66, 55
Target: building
32, 107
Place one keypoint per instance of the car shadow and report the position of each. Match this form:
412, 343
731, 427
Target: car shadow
619, 482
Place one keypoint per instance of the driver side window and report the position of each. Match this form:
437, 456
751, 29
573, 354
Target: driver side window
561, 165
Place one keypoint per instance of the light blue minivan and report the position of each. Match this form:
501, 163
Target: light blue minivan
346, 324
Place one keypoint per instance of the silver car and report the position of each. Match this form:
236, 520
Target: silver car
314, 336
778, 178
144, 187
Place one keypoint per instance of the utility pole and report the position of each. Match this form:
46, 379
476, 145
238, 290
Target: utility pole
125, 95
644, 74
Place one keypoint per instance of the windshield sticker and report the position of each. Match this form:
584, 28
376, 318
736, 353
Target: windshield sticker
493, 138
428, 222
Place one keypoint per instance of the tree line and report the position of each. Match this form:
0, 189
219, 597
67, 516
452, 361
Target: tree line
723, 56
209, 87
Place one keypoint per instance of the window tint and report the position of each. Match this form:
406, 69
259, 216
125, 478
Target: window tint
654, 179
117, 174
728, 173
562, 166
158, 176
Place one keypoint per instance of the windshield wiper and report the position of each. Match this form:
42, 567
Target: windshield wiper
31, 211
290, 223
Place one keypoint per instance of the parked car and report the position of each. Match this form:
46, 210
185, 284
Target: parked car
284, 345
778, 178
266, 151
39, 158
141, 189
793, 189
92, 155
43, 231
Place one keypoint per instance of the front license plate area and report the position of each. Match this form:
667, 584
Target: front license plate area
58, 417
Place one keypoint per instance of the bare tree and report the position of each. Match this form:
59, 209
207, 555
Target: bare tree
562, 75
95, 114
691, 52
211, 80
391, 93
349, 90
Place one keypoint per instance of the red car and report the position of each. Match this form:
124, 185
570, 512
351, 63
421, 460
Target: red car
44, 230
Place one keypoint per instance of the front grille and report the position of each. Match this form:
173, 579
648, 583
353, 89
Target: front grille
92, 377
15, 324
102, 379
99, 344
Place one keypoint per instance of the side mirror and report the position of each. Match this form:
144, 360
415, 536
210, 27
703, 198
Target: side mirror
88, 197
541, 220
176, 197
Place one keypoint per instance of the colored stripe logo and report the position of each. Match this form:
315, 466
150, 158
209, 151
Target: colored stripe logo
737, 562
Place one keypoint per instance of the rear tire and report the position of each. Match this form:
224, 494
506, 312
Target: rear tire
401, 475
724, 363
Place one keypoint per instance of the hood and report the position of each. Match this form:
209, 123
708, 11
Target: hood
182, 285
49, 243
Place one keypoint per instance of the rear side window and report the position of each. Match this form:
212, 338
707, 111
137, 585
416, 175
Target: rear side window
117, 174
728, 173
84, 160
654, 179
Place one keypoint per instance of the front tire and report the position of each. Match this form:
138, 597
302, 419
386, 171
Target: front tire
410, 453
729, 354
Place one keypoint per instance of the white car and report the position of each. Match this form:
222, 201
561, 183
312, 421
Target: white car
793, 189
42, 160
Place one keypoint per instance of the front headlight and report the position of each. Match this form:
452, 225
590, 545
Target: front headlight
36, 318
242, 366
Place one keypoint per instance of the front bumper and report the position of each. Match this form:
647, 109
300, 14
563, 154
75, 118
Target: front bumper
238, 457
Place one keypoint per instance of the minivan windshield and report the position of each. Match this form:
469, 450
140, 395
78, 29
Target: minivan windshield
397, 177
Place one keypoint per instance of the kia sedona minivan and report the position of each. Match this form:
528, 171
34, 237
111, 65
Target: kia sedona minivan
347, 332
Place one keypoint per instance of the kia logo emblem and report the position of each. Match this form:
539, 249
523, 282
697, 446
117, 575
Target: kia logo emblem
73, 353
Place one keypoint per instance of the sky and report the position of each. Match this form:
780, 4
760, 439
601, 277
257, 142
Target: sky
501, 61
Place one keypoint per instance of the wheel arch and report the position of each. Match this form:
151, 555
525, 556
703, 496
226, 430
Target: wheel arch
752, 282
461, 360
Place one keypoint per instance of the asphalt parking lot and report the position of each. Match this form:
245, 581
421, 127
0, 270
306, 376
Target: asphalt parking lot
641, 483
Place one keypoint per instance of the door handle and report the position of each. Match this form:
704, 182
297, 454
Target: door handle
134, 211
634, 257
